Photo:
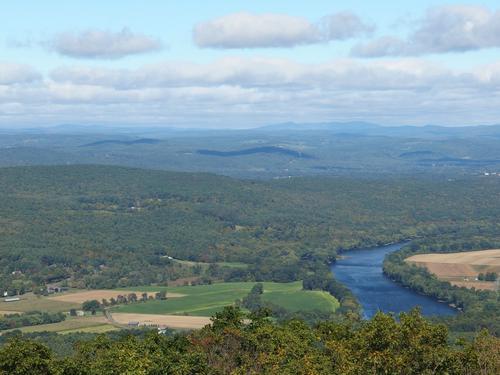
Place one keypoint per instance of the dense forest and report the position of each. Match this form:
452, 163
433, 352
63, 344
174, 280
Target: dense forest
96, 226
105, 227
383, 345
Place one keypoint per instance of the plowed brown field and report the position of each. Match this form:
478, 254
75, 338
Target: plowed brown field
462, 268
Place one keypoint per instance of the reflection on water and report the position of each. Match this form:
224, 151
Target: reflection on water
361, 271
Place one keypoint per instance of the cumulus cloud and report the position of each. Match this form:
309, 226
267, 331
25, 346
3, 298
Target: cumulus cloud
453, 28
249, 91
264, 73
11, 74
100, 44
248, 30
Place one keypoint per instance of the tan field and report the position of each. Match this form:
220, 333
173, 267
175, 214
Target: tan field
96, 324
462, 268
31, 302
99, 294
170, 321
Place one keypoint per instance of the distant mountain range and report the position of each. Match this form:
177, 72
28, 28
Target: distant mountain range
257, 150
365, 128
272, 151
353, 127
148, 141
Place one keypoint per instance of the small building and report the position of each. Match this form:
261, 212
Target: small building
12, 299
56, 289
133, 324
80, 313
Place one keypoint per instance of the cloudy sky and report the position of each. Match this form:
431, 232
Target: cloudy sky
237, 63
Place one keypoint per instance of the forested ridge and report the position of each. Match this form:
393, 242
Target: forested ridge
97, 226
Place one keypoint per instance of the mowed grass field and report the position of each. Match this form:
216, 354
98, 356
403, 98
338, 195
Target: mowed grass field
206, 300
461, 268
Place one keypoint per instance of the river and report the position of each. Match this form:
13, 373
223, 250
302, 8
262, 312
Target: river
361, 271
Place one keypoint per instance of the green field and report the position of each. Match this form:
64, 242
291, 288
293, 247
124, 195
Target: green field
205, 300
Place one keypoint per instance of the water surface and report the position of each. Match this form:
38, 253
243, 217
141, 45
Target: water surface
361, 271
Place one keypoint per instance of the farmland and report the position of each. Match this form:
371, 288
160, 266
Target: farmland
99, 294
205, 300
32, 302
186, 307
461, 269
89, 324
171, 321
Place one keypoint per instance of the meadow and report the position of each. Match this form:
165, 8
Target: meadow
205, 300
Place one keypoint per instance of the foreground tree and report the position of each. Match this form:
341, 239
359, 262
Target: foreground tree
409, 345
21, 357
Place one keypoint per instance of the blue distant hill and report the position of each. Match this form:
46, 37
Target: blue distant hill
148, 141
257, 150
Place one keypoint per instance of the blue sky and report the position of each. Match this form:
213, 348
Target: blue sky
241, 63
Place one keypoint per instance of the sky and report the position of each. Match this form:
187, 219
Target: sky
238, 64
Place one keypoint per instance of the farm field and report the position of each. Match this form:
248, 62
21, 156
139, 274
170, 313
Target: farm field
171, 321
90, 324
32, 302
462, 268
99, 294
186, 307
205, 300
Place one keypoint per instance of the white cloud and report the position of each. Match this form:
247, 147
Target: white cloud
454, 28
344, 25
11, 74
248, 30
100, 44
265, 73
241, 91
